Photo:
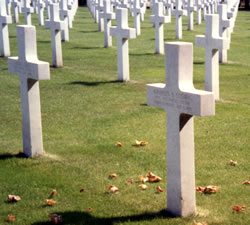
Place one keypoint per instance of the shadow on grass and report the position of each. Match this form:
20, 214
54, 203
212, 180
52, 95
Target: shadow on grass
87, 47
10, 156
143, 54
90, 31
199, 63
45, 42
96, 83
86, 218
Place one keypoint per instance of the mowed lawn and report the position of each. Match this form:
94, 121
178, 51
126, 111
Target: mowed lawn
85, 112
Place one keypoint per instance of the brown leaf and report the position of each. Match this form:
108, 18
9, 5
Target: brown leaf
200, 223
142, 179
238, 208
14, 198
246, 182
82, 190
11, 218
153, 178
140, 143
113, 175
130, 180
233, 163
53, 193
90, 209
56, 219
143, 186
113, 188
119, 144
208, 189
159, 189
50, 202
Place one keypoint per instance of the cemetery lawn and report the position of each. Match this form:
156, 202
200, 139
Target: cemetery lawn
85, 112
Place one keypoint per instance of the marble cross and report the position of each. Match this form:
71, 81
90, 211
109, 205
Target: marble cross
190, 14
27, 10
122, 32
199, 6
64, 15
4, 31
41, 6
136, 12
107, 16
181, 101
15, 5
158, 19
212, 43
100, 8
55, 25
30, 70
178, 12
224, 30
169, 5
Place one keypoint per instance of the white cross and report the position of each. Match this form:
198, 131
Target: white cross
199, 6
158, 19
64, 14
30, 70
100, 8
55, 25
4, 32
136, 12
27, 10
169, 5
16, 4
178, 12
41, 6
107, 16
190, 13
181, 101
122, 32
212, 43
224, 29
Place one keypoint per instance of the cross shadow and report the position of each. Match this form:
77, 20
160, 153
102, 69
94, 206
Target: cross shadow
95, 83
10, 156
199, 63
91, 31
45, 42
87, 47
143, 54
86, 218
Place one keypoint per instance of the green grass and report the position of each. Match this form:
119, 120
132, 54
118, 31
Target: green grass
84, 113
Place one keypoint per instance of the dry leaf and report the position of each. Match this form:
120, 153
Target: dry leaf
208, 189
11, 218
143, 186
238, 208
14, 198
113, 188
113, 175
153, 178
246, 182
82, 190
200, 223
119, 144
142, 179
90, 209
159, 189
140, 143
56, 219
233, 163
53, 192
50, 202
130, 181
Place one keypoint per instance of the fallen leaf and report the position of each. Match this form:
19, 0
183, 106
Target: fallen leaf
238, 208
140, 143
130, 181
14, 198
113, 188
119, 144
142, 179
153, 178
200, 223
53, 193
246, 182
90, 209
113, 175
50, 202
208, 189
159, 189
143, 186
82, 190
11, 218
233, 163
56, 219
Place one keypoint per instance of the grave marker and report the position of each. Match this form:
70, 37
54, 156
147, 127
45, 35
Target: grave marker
41, 6
64, 14
30, 70
136, 12
181, 101
15, 5
27, 10
178, 12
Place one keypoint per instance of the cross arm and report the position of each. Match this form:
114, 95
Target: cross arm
159, 19
56, 25
6, 19
200, 40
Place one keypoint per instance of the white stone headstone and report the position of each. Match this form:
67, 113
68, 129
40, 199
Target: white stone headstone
55, 25
212, 43
158, 19
101, 21
107, 16
41, 6
136, 12
178, 12
30, 70
4, 32
27, 10
122, 32
64, 15
181, 101
199, 6
190, 14
15, 5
